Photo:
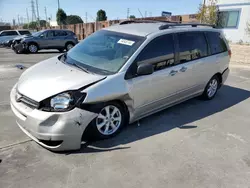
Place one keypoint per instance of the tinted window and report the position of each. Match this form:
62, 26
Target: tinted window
161, 47
60, 33
217, 44
24, 32
9, 33
192, 46
50, 34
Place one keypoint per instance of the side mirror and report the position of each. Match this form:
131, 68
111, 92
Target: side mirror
145, 69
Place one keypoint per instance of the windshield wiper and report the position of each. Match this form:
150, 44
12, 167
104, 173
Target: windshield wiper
80, 67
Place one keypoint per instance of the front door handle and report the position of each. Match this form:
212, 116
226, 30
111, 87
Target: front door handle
183, 69
173, 72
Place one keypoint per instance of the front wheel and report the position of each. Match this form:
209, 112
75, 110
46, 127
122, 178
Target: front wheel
33, 48
211, 88
108, 123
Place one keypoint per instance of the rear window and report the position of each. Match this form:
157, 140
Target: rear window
192, 46
216, 42
24, 32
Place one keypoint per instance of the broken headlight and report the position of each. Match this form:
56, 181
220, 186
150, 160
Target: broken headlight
63, 101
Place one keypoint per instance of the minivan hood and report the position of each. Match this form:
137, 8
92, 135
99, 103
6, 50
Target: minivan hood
51, 77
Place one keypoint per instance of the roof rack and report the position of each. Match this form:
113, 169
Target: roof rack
137, 21
166, 26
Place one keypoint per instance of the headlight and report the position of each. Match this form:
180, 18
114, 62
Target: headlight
62, 102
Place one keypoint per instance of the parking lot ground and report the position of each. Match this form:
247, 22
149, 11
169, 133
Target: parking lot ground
194, 144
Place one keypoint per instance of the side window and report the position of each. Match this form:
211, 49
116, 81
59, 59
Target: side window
216, 42
162, 48
192, 46
9, 33
60, 33
50, 34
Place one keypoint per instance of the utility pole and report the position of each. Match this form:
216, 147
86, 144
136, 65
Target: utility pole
128, 13
140, 12
37, 10
58, 3
203, 12
86, 17
18, 20
46, 17
33, 11
27, 14
146, 14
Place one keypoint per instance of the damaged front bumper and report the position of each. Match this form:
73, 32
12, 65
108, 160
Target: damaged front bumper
54, 131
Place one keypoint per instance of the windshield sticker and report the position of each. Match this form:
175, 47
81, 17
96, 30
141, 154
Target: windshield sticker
126, 42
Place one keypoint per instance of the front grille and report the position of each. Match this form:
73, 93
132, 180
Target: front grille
26, 100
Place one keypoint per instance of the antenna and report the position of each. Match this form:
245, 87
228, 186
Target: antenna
140, 12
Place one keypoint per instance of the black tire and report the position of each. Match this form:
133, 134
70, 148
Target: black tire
69, 45
92, 133
206, 95
35, 48
61, 50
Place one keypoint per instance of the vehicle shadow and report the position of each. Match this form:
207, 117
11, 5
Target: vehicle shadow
181, 116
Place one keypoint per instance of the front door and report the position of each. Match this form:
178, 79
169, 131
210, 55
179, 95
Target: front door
47, 40
153, 92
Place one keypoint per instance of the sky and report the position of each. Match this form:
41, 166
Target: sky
10, 9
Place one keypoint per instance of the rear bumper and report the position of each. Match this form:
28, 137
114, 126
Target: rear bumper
54, 131
225, 75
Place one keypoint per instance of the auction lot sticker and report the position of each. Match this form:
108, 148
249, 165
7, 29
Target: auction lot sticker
126, 42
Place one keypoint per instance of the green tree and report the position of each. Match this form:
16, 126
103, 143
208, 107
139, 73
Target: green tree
101, 15
32, 25
132, 17
61, 17
209, 13
26, 26
73, 19
43, 23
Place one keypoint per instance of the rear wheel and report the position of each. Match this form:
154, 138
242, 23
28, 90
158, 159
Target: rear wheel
32, 48
211, 88
69, 45
109, 122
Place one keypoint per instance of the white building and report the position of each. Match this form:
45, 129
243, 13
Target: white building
235, 16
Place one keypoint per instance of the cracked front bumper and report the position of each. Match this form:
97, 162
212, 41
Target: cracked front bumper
54, 131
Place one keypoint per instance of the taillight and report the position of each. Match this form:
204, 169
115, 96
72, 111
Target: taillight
230, 53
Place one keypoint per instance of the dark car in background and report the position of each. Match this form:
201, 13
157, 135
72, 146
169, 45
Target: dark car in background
46, 39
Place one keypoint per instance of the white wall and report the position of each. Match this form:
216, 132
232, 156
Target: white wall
237, 34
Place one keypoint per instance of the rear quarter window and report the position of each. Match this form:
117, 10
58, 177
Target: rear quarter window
8, 33
216, 43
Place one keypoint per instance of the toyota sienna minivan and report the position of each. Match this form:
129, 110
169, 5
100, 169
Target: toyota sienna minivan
117, 76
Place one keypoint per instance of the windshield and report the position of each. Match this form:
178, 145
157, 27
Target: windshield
104, 51
36, 34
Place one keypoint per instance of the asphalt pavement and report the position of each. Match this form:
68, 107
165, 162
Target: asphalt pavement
194, 144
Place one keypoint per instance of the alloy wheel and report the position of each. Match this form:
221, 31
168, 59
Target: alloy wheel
212, 88
32, 48
109, 120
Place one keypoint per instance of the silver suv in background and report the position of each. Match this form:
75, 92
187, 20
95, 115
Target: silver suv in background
6, 36
116, 76
46, 39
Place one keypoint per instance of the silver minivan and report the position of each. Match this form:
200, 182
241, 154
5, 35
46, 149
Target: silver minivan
117, 76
